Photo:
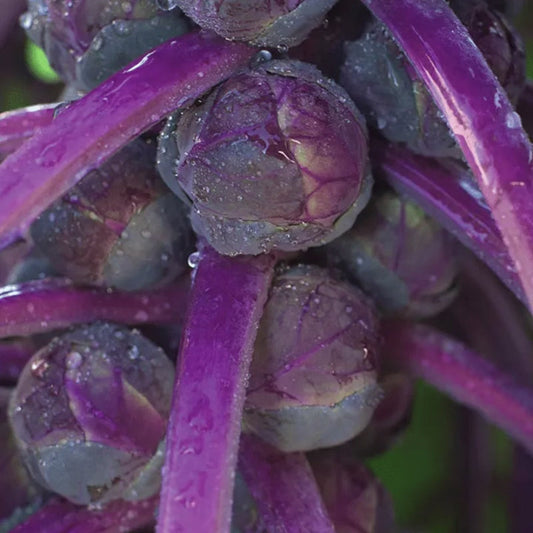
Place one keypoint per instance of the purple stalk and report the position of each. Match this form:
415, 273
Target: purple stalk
91, 129
225, 305
60, 516
464, 375
444, 193
284, 488
13, 358
478, 112
19, 125
46, 305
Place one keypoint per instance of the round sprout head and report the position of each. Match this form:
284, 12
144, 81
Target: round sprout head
282, 23
98, 395
274, 159
119, 227
400, 257
313, 375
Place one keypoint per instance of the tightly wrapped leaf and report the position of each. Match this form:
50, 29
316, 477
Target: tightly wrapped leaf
400, 257
274, 159
314, 371
89, 414
88, 40
119, 227
282, 23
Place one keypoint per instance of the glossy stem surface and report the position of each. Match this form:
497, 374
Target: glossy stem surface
47, 305
463, 374
60, 516
284, 488
225, 305
484, 123
19, 125
445, 193
91, 129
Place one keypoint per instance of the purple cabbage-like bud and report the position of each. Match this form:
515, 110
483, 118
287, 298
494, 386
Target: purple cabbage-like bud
400, 257
89, 414
119, 227
355, 499
395, 101
314, 371
274, 159
88, 40
281, 23
16, 487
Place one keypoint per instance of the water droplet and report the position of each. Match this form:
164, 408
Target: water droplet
73, 360
194, 259
26, 20
167, 5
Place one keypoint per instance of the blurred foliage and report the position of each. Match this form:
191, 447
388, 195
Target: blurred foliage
38, 63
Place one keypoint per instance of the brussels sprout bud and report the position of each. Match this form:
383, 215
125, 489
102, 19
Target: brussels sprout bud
355, 499
88, 40
261, 22
16, 487
395, 101
120, 226
90, 411
274, 159
313, 374
399, 256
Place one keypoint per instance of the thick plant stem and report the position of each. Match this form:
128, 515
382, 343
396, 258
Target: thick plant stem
461, 373
19, 125
477, 109
60, 516
47, 305
283, 487
225, 305
91, 129
445, 193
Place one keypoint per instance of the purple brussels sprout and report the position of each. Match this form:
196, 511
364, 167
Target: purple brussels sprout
399, 256
276, 158
283, 23
88, 40
355, 499
89, 414
120, 226
395, 101
16, 487
313, 377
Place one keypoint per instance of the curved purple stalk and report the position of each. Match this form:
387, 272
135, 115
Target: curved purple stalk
91, 129
225, 305
46, 305
444, 194
19, 125
284, 488
478, 112
464, 375
60, 516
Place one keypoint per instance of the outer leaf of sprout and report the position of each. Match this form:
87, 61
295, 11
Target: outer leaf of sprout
276, 158
313, 376
98, 395
400, 257
119, 227
261, 22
